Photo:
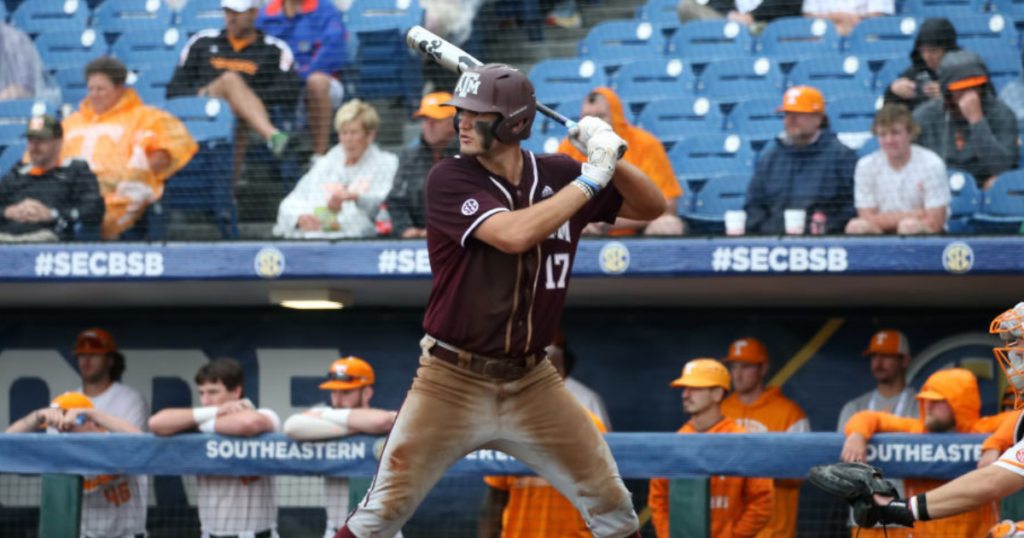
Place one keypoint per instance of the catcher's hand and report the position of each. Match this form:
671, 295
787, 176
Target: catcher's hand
858, 483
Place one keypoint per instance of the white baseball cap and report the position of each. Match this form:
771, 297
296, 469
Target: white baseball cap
240, 5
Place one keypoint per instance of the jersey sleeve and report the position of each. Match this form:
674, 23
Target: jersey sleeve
457, 203
1002, 438
1013, 459
603, 208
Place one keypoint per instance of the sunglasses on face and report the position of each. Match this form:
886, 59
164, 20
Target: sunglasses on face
333, 376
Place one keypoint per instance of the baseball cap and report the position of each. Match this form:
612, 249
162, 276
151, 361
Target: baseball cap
94, 341
71, 400
704, 373
969, 82
802, 99
888, 342
430, 107
348, 373
44, 126
748, 350
239, 5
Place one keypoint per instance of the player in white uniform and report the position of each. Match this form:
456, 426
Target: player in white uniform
985, 485
229, 506
113, 506
350, 381
101, 366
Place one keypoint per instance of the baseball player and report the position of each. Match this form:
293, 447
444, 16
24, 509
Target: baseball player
101, 366
760, 409
113, 506
350, 381
502, 229
741, 507
229, 506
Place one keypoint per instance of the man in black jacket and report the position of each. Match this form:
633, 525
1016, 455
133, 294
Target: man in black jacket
243, 66
919, 83
405, 202
44, 199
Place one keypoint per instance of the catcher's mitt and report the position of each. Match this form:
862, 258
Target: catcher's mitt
858, 483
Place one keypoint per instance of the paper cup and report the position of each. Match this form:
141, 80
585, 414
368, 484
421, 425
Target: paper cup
796, 220
735, 222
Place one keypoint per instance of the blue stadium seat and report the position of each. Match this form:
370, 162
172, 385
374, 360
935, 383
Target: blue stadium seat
739, 79
63, 50
712, 154
144, 49
870, 146
614, 43
890, 72
205, 184
198, 15
72, 85
882, 36
1003, 204
541, 144
756, 119
11, 155
3, 12
383, 66
115, 17
643, 81
965, 202
565, 79
41, 16
1004, 65
718, 195
834, 76
21, 110
662, 14
703, 41
151, 83
675, 119
793, 38
951, 9
984, 31
852, 117
11, 132
1014, 9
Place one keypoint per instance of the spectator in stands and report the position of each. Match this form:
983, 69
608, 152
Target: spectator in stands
740, 506
451, 19
101, 366
405, 202
22, 73
314, 32
250, 70
919, 83
969, 128
949, 402
112, 505
646, 153
1013, 96
132, 148
758, 409
808, 169
755, 14
350, 382
902, 187
528, 506
45, 200
341, 194
565, 362
228, 505
845, 14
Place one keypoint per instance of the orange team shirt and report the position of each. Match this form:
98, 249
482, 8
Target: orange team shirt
970, 524
740, 506
537, 510
115, 145
773, 412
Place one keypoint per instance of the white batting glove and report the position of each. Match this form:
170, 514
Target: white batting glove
587, 127
603, 153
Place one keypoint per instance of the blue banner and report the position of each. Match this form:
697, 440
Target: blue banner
596, 258
638, 455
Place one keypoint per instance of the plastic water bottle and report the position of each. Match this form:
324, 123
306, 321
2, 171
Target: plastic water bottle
383, 220
819, 223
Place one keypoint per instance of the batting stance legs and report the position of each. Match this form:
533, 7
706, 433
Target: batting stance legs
451, 412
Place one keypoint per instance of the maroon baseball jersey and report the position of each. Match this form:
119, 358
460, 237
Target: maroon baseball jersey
484, 300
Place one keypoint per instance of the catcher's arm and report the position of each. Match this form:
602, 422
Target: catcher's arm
970, 491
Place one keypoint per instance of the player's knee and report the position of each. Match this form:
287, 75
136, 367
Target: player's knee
318, 83
229, 80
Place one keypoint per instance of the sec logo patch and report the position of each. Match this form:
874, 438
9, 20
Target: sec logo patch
470, 207
1020, 455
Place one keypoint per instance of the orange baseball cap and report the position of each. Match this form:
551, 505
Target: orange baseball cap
430, 107
748, 350
94, 341
71, 400
888, 342
970, 82
802, 99
704, 373
348, 373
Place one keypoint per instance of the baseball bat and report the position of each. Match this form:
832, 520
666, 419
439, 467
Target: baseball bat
452, 58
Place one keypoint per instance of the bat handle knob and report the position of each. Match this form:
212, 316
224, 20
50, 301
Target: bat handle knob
570, 124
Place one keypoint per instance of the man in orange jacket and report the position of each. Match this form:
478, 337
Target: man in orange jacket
740, 506
646, 153
949, 402
759, 409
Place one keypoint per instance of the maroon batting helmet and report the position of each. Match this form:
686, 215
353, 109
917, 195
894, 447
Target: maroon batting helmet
502, 89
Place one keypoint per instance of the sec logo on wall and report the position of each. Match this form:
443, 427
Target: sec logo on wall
958, 257
614, 258
269, 263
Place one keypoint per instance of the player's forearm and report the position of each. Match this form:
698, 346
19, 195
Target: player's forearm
515, 232
642, 199
111, 423
27, 424
971, 491
310, 428
243, 424
172, 421
371, 421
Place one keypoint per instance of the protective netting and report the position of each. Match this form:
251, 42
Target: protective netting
249, 147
